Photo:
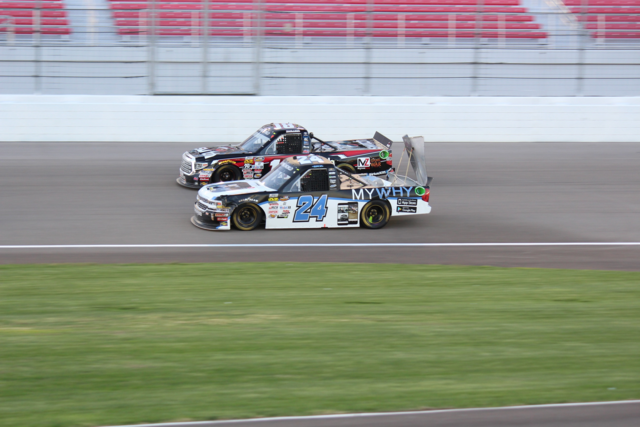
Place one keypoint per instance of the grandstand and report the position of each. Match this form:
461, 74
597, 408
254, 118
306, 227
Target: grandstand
47, 17
318, 47
330, 20
608, 19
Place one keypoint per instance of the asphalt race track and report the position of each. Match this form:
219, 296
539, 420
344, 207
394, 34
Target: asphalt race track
125, 193
592, 415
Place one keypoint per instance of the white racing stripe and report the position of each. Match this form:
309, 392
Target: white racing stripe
315, 245
378, 414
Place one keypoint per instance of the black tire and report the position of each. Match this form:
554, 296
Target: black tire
246, 217
226, 173
346, 167
375, 214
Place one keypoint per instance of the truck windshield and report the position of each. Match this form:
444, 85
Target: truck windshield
257, 140
278, 176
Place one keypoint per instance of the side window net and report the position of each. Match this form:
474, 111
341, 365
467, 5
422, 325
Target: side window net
315, 180
290, 143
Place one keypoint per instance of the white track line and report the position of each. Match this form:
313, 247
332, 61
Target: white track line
383, 414
315, 245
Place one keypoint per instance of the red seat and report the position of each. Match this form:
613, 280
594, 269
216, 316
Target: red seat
599, 10
615, 35
613, 27
28, 13
602, 2
392, 17
32, 5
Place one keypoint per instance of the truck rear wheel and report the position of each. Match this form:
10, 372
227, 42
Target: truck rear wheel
375, 214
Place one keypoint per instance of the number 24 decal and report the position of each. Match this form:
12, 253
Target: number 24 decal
307, 209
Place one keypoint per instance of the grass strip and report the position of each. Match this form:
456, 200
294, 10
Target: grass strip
86, 345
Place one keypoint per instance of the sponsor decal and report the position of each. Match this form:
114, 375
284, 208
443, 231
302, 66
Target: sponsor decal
195, 178
250, 199
407, 202
258, 165
226, 162
384, 155
408, 209
273, 199
273, 195
348, 213
285, 165
382, 193
420, 191
274, 211
286, 211
224, 224
221, 214
259, 159
283, 216
273, 205
205, 175
272, 216
257, 175
284, 198
375, 163
363, 163
203, 183
248, 160
207, 170
248, 174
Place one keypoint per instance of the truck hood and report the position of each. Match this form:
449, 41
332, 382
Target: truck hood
211, 152
232, 188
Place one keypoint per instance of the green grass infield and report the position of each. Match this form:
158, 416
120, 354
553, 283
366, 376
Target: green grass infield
86, 345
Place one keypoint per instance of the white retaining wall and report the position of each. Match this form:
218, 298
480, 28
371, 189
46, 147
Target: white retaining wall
232, 118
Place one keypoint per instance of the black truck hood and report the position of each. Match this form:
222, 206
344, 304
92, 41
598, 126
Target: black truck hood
207, 153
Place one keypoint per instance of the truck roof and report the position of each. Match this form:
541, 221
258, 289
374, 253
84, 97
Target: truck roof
311, 159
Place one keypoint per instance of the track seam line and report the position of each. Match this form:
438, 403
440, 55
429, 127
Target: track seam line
378, 414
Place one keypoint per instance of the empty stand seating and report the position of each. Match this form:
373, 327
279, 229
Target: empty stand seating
505, 19
608, 19
29, 17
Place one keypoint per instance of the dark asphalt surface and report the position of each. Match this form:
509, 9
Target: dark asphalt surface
125, 193
603, 415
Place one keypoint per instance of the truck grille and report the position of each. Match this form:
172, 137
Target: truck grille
186, 167
202, 206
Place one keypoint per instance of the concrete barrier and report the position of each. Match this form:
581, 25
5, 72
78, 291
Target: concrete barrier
232, 118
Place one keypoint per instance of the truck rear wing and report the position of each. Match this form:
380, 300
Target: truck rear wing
414, 147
